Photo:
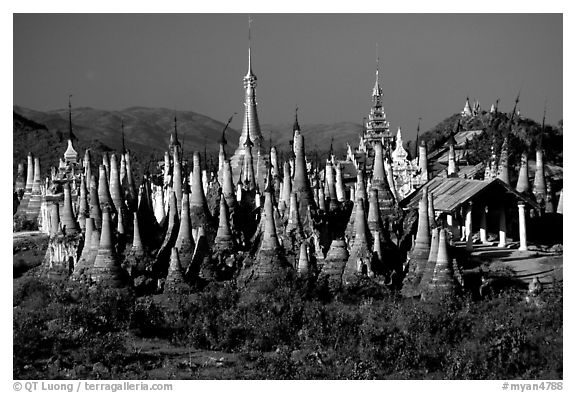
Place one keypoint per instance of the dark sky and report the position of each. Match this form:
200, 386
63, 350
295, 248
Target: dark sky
324, 63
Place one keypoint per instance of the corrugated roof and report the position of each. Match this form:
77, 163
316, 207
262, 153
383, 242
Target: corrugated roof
465, 172
458, 153
451, 193
441, 154
462, 136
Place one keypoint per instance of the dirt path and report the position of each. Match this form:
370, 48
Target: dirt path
526, 265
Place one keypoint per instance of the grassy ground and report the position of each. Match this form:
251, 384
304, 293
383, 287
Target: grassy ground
287, 331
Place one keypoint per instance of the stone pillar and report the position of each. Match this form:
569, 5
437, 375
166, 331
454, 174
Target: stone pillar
522, 229
502, 231
469, 227
483, 225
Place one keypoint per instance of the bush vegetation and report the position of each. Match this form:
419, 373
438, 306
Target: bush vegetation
288, 330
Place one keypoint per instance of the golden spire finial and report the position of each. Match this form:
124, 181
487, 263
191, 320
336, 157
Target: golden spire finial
377, 59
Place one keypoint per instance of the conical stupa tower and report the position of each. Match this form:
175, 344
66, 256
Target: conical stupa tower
330, 186
138, 261
503, 172
421, 249
170, 236
137, 245
467, 111
269, 259
286, 189
83, 207
87, 163
452, 167
301, 184
199, 213
33, 208
426, 279
539, 187
523, 184
23, 206
294, 226
442, 283
423, 162
95, 210
103, 190
177, 178
184, 242
224, 240
431, 211
334, 265
116, 190
68, 220
303, 261
82, 268
175, 278
29, 175
375, 223
380, 182
359, 195
228, 186
340, 189
106, 163
106, 269
360, 260
158, 199
123, 175
131, 193
322, 198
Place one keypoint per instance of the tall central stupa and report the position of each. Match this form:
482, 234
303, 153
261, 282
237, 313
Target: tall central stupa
250, 126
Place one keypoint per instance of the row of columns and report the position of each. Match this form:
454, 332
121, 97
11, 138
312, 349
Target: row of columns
454, 226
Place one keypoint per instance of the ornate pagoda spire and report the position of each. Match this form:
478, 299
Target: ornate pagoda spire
70, 155
296, 126
174, 142
251, 124
377, 91
377, 127
467, 111
417, 137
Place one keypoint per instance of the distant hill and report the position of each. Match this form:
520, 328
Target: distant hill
147, 133
47, 144
147, 130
